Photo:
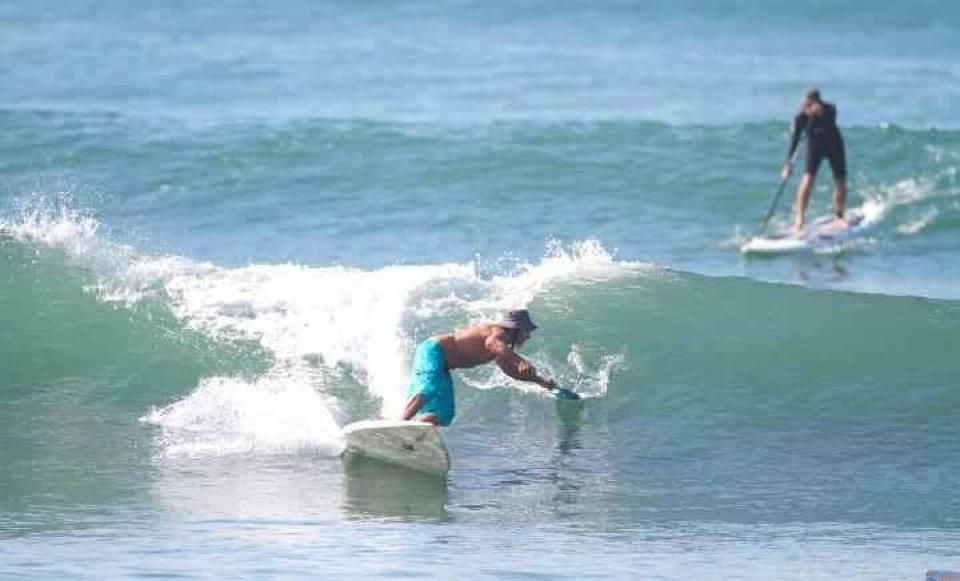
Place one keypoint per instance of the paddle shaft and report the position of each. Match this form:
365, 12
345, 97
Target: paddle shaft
773, 205
776, 198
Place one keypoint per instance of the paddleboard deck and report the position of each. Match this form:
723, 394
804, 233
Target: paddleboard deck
823, 234
414, 445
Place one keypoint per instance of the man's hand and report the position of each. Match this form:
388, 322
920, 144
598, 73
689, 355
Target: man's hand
787, 170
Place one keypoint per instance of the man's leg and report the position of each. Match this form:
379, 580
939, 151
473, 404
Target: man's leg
838, 165
839, 198
414, 403
803, 199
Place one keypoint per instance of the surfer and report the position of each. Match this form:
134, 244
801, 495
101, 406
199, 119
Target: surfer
431, 386
819, 119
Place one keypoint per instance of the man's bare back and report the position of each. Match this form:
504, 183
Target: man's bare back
466, 348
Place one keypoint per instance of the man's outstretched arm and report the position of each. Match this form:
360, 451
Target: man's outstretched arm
515, 366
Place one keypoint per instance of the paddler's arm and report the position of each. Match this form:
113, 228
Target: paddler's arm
799, 124
522, 370
515, 366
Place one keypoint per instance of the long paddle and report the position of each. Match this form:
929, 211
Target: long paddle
776, 198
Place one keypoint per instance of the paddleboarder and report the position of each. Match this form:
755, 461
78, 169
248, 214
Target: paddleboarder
819, 119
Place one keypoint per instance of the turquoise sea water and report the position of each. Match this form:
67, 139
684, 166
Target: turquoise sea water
226, 227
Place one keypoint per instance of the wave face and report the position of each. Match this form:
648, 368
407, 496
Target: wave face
272, 359
284, 352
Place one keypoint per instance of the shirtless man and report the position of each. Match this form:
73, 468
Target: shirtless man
819, 119
431, 387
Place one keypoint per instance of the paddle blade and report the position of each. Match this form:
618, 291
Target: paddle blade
565, 394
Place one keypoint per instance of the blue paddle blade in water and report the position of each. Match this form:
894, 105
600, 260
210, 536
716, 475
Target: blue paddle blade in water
563, 393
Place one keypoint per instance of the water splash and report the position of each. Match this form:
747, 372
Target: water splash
308, 318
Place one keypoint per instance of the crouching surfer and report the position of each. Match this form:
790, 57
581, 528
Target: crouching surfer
431, 395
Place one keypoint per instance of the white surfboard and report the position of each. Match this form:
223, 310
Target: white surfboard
414, 445
823, 234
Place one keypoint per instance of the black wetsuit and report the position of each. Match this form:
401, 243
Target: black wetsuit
823, 141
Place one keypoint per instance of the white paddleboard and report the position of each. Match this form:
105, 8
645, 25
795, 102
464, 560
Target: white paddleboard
414, 445
823, 234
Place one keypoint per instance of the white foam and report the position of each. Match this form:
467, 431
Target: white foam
919, 223
582, 262
56, 226
222, 416
337, 315
912, 190
594, 383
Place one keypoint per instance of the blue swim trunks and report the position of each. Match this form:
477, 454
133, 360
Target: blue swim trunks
430, 378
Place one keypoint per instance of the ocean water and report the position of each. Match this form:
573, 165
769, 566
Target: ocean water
224, 228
